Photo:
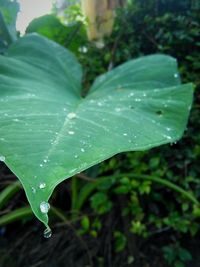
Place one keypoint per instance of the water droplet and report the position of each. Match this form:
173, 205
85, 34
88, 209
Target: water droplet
47, 233
76, 156
42, 185
71, 132
44, 207
41, 165
125, 134
2, 158
167, 136
33, 190
176, 75
71, 115
82, 150
137, 100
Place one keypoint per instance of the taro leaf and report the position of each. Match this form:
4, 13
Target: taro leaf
48, 132
72, 36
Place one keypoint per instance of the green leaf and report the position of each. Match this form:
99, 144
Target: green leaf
72, 36
8, 16
48, 132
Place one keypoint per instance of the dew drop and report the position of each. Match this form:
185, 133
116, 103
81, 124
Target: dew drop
71, 115
71, 132
33, 190
2, 158
42, 185
44, 207
168, 137
47, 233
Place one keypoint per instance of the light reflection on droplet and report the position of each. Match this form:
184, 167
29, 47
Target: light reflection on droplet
2, 158
71, 115
44, 207
42, 185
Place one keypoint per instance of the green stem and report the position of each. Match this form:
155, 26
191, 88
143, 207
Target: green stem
26, 213
8, 193
89, 188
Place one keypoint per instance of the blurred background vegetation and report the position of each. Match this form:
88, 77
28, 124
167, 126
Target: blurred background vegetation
136, 209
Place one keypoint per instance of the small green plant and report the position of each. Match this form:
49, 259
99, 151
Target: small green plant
176, 256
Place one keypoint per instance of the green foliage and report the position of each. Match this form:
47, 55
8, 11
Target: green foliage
8, 16
120, 241
175, 255
72, 35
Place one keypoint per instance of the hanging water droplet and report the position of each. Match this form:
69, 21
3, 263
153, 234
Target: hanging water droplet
44, 207
71, 115
2, 158
47, 233
71, 132
42, 185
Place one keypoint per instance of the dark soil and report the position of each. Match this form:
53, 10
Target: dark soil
24, 246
